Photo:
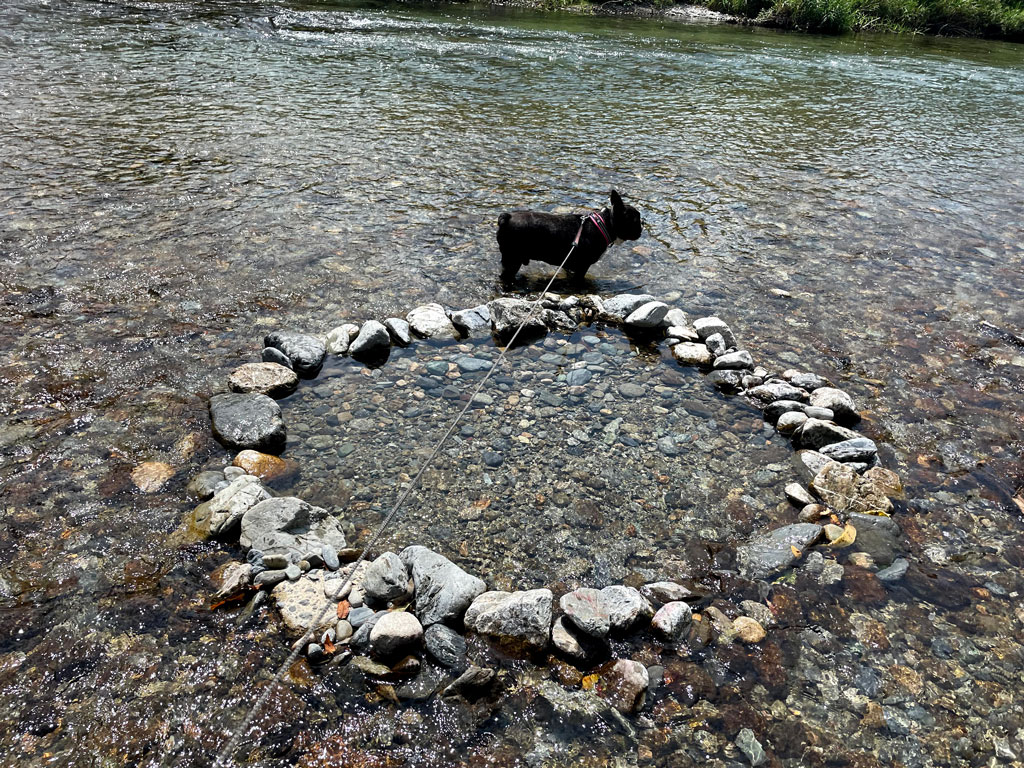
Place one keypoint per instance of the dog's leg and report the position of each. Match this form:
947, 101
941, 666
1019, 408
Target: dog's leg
509, 267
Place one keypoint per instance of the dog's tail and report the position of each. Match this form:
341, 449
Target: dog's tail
503, 219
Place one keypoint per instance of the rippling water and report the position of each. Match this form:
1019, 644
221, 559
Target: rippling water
177, 178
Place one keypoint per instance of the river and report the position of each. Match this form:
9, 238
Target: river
176, 179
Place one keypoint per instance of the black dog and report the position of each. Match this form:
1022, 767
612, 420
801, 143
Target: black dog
526, 235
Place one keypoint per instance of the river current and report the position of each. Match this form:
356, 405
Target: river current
176, 179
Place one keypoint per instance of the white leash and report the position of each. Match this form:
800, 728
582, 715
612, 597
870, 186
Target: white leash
224, 757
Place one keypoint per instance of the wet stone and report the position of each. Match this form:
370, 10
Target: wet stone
469, 322
302, 604
446, 645
799, 495
271, 379
773, 552
508, 314
775, 410
289, 525
204, 485
263, 465
385, 579
339, 339
443, 590
623, 683
394, 632
689, 353
373, 339
468, 364
227, 507
621, 306
816, 434
305, 352
431, 321
804, 380
648, 315
626, 607
400, 331
837, 401
243, 421
716, 343
661, 592
740, 360
790, 422
517, 618
707, 326
860, 449
777, 390
672, 621
271, 355
587, 610
748, 744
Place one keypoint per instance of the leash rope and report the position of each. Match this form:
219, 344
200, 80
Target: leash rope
224, 756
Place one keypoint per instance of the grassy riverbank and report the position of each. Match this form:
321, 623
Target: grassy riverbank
976, 18
1003, 19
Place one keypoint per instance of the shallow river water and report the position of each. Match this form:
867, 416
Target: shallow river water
176, 179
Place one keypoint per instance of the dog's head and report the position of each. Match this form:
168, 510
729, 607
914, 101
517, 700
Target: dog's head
626, 223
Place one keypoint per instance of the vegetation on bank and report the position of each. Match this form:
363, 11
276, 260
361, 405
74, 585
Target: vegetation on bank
974, 18
977, 18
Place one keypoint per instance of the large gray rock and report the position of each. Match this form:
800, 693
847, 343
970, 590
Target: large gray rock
566, 640
661, 592
270, 379
443, 590
672, 621
373, 339
840, 403
772, 552
854, 449
620, 307
626, 607
302, 605
647, 316
691, 353
223, 512
587, 611
289, 525
470, 322
386, 578
243, 421
431, 321
877, 535
306, 352
507, 314
709, 326
400, 330
774, 390
394, 632
773, 411
513, 617
804, 380
446, 645
737, 360
810, 463
816, 434
338, 339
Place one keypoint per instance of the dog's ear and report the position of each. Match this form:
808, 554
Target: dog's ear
616, 200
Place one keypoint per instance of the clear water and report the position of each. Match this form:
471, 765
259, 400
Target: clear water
176, 178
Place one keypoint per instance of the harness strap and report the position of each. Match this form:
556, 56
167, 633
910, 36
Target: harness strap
602, 227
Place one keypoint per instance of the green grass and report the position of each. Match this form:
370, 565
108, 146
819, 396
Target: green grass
978, 18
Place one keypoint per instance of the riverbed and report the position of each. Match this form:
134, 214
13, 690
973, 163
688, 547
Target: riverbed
178, 179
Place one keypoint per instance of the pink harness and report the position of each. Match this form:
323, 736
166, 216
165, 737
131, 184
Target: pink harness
598, 220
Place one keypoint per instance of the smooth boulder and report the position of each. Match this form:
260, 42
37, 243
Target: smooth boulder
270, 379
431, 321
443, 590
373, 339
306, 352
289, 525
774, 551
385, 579
243, 421
222, 512
513, 617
